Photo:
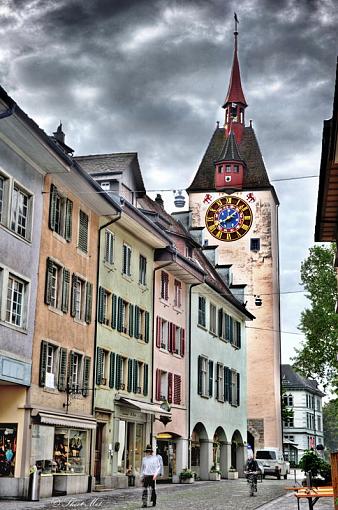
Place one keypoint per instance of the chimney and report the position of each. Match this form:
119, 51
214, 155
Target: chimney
59, 134
159, 200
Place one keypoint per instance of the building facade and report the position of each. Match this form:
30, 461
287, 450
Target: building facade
234, 207
304, 429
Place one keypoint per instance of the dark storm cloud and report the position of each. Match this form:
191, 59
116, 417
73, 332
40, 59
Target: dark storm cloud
150, 76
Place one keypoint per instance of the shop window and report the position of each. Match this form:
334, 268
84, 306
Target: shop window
70, 451
8, 441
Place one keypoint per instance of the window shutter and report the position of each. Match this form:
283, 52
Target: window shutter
177, 389
199, 375
130, 375
100, 312
65, 290
99, 365
227, 383
70, 368
173, 338
147, 326
89, 300
118, 371
170, 337
74, 282
131, 320
137, 322
68, 226
48, 286
124, 259
43, 363
182, 342
145, 379
170, 387
217, 381
211, 377
113, 311
52, 206
158, 331
120, 314
239, 335
220, 322
86, 376
231, 396
158, 384
238, 388
62, 382
231, 329
135, 376
111, 369
83, 231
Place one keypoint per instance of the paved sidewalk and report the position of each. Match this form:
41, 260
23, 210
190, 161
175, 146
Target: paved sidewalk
289, 502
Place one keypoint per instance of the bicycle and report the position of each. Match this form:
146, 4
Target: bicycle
251, 477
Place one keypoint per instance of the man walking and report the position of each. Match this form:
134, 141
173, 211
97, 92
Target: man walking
149, 471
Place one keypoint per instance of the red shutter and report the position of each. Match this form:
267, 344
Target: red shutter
158, 331
158, 384
170, 387
170, 337
173, 342
177, 389
182, 342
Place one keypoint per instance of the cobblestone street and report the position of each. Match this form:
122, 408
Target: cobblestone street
223, 495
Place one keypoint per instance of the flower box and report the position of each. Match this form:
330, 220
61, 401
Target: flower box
214, 476
232, 475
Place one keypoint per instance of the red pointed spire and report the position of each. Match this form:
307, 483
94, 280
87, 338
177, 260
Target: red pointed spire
235, 102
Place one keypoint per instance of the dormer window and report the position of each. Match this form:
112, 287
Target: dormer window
105, 186
220, 169
228, 168
236, 169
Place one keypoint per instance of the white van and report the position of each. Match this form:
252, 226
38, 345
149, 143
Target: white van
273, 462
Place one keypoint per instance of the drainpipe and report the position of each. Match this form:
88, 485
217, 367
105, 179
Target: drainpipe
110, 222
153, 344
189, 378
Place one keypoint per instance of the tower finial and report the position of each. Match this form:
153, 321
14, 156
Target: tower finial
236, 29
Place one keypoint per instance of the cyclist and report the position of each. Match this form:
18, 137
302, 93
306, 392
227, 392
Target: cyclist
252, 470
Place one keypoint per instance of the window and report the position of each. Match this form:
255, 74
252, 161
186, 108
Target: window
288, 400
228, 168
201, 311
143, 270
220, 382
164, 386
288, 422
82, 295
83, 231
103, 306
121, 373
178, 294
20, 213
57, 286
255, 244
126, 260
75, 370
16, 302
177, 339
164, 334
105, 186
235, 388
2, 198
79, 299
48, 365
236, 169
109, 247
125, 316
212, 325
141, 326
164, 285
203, 376
236, 340
228, 325
60, 213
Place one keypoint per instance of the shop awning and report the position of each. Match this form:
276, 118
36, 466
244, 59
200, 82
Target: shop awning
67, 421
144, 407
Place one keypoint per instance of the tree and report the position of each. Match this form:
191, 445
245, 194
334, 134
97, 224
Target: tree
317, 356
330, 424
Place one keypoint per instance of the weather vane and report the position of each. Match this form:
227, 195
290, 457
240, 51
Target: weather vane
236, 22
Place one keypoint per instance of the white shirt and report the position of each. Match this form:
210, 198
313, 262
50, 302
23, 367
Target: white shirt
159, 457
150, 466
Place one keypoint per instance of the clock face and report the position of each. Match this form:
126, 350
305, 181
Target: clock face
228, 218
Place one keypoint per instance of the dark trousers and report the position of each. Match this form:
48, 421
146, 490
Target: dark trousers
149, 482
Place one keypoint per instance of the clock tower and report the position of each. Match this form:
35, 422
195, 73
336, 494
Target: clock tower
234, 214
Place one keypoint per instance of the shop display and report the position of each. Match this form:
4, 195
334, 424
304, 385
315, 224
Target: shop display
70, 451
8, 434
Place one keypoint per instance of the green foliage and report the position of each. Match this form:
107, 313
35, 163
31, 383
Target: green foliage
287, 412
317, 356
186, 473
311, 462
330, 424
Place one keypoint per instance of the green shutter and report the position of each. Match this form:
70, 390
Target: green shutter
147, 326
130, 375
112, 370
231, 329
135, 376
113, 311
118, 372
199, 375
43, 363
119, 314
83, 231
62, 378
99, 365
100, 308
131, 320
73, 304
65, 290
89, 301
68, 225
52, 206
86, 376
48, 284
70, 369
145, 379
124, 259
137, 322
238, 388
239, 335
220, 322
211, 377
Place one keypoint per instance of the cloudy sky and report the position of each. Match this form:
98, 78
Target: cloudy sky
150, 76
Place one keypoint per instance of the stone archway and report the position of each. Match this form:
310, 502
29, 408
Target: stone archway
220, 455
238, 451
201, 452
